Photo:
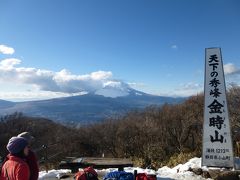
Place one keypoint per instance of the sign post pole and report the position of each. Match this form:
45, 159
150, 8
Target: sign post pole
217, 148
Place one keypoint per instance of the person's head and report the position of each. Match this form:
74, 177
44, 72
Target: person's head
18, 146
27, 136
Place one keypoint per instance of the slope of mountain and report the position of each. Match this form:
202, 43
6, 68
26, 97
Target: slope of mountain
6, 104
85, 108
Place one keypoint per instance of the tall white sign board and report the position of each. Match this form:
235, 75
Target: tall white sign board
217, 142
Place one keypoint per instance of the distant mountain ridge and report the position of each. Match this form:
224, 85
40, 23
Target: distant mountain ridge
85, 108
5, 104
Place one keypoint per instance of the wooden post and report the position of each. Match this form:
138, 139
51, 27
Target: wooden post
45, 157
135, 174
238, 148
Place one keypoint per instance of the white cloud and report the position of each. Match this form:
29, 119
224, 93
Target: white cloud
190, 86
185, 90
174, 46
9, 63
6, 50
45, 80
137, 85
34, 95
101, 75
230, 69
189, 89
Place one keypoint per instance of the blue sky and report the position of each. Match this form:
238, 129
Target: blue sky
156, 46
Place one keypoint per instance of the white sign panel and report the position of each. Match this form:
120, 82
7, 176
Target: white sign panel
217, 142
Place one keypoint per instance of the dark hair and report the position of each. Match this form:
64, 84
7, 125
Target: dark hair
20, 154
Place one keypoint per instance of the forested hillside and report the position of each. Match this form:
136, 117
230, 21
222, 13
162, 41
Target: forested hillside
155, 136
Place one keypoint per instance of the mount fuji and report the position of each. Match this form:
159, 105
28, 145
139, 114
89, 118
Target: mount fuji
114, 98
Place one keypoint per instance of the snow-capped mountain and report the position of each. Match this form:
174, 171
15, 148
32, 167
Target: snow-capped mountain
114, 89
113, 99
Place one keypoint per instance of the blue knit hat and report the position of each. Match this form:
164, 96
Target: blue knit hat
16, 144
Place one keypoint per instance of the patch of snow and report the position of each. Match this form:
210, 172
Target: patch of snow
180, 172
52, 173
113, 93
113, 89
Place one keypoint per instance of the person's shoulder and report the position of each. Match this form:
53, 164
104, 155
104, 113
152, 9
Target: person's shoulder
22, 164
16, 161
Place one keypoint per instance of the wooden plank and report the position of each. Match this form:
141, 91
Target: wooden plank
97, 163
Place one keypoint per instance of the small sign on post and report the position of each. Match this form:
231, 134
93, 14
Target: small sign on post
217, 148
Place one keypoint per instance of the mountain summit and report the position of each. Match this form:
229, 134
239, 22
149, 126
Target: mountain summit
114, 89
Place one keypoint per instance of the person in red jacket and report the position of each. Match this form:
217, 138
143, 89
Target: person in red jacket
87, 174
31, 159
15, 167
